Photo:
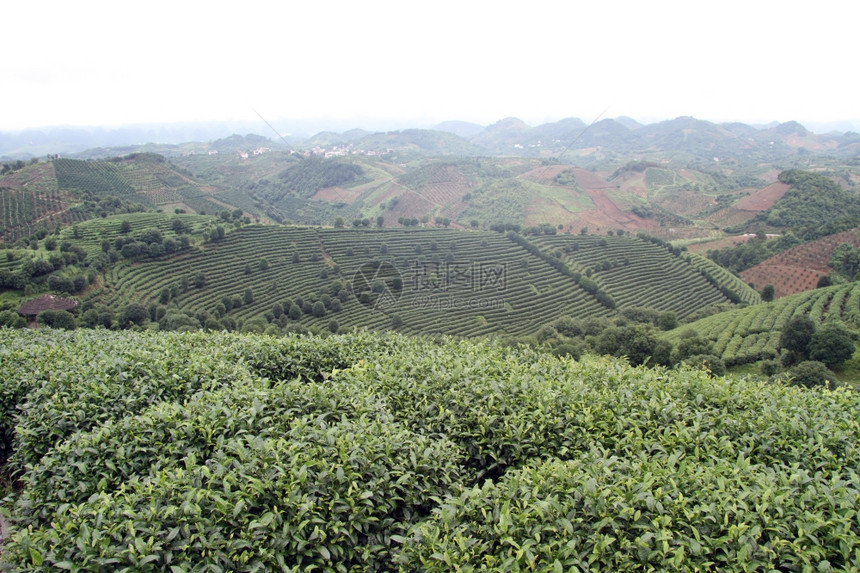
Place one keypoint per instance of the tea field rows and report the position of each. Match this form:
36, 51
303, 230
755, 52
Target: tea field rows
417, 280
751, 334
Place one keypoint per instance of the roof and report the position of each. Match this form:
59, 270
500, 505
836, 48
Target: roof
46, 302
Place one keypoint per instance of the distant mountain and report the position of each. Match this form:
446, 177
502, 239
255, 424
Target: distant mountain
327, 138
562, 131
682, 138
67, 140
460, 128
504, 135
606, 133
422, 141
628, 122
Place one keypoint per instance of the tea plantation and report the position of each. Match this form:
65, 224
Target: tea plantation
164, 451
752, 334
414, 280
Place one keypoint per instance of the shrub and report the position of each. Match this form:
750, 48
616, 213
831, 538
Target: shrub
811, 374
707, 362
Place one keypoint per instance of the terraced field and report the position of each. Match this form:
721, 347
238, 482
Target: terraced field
724, 277
89, 234
30, 199
416, 280
752, 334
637, 272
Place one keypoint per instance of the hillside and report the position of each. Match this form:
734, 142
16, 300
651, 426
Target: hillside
672, 198
49, 195
752, 334
800, 268
219, 273
386, 453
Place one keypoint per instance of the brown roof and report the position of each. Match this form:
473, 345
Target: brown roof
46, 302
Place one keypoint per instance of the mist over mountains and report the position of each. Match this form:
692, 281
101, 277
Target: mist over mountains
508, 136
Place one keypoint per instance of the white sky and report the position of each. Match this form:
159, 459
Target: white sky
112, 63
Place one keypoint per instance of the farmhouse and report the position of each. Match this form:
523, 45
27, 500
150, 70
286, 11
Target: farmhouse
31, 309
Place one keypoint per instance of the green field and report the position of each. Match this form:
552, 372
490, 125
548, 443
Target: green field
206, 452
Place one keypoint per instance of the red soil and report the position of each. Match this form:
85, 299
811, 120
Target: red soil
799, 268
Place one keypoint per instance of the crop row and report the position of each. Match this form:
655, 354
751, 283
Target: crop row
21, 210
97, 177
463, 287
636, 272
724, 277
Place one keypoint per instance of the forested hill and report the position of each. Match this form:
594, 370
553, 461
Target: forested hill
814, 204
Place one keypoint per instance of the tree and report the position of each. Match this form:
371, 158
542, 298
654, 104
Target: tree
333, 326
178, 226
133, 313
708, 362
130, 250
248, 297
636, 342
339, 222
691, 344
124, 227
318, 309
295, 312
277, 310
667, 320
831, 344
150, 236
380, 221
11, 319
795, 338
767, 293
824, 281
57, 319
200, 280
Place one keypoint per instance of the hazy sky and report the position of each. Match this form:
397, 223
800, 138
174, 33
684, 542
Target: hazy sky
110, 63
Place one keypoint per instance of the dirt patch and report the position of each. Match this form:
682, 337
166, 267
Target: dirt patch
410, 205
799, 268
717, 244
684, 202
336, 195
786, 280
763, 198
545, 174
588, 180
